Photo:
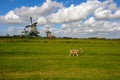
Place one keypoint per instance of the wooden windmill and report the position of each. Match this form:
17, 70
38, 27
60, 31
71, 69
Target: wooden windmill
49, 34
31, 30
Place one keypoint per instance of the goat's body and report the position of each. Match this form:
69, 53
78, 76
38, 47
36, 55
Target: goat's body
75, 52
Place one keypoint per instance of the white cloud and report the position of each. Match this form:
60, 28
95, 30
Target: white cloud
91, 28
116, 14
10, 17
70, 14
100, 13
91, 22
107, 10
12, 30
21, 15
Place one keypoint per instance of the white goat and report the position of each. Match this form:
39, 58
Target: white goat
75, 52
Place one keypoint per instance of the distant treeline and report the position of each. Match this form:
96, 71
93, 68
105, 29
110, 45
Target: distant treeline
39, 37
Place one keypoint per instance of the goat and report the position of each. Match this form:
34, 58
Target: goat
75, 52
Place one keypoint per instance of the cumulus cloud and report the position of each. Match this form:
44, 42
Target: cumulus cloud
90, 22
21, 15
70, 14
102, 13
107, 10
103, 28
11, 17
116, 14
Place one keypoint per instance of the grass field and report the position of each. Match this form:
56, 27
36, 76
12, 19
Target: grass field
41, 59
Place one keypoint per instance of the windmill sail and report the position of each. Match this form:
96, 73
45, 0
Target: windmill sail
31, 20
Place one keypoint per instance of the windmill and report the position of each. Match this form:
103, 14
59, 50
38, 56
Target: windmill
49, 34
31, 30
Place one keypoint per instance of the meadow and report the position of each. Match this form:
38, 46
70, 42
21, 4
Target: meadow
43, 59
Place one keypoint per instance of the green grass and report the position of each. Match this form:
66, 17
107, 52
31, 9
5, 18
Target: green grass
41, 59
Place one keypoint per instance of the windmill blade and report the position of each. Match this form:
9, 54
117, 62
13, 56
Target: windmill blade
31, 20
27, 26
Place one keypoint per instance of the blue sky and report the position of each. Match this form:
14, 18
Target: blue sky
62, 18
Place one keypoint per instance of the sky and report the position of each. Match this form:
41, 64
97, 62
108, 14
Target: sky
64, 18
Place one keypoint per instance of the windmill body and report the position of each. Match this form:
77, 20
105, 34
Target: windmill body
49, 34
31, 30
